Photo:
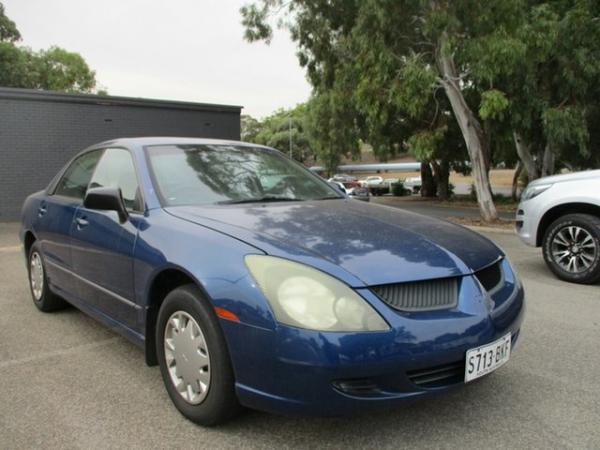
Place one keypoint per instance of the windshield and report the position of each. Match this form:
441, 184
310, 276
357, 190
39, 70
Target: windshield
221, 174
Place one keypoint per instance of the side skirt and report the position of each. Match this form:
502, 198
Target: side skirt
116, 326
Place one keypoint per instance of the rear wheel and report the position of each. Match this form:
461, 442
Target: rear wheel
43, 298
572, 248
193, 357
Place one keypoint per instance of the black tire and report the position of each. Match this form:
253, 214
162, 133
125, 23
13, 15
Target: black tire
48, 301
220, 403
591, 225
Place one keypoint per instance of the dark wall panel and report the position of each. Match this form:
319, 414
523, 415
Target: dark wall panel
37, 137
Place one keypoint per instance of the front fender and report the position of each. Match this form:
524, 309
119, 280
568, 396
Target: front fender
213, 260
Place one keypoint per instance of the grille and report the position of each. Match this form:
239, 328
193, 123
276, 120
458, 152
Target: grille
490, 277
421, 295
438, 376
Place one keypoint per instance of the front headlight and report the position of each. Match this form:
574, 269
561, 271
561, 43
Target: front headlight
533, 191
307, 298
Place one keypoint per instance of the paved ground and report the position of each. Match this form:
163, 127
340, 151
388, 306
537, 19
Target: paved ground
68, 382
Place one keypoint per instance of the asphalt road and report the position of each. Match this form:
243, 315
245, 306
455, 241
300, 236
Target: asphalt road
68, 382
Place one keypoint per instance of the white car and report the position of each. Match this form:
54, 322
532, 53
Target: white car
358, 193
561, 214
413, 184
371, 181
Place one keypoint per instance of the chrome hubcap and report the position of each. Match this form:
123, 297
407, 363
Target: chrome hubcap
574, 249
187, 358
36, 276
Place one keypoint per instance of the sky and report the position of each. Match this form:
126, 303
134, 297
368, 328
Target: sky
190, 50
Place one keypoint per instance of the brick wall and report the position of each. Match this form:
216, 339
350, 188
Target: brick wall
40, 132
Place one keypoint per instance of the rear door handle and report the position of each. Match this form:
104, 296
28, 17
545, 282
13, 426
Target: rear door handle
42, 210
81, 222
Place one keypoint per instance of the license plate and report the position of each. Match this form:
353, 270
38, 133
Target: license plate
487, 358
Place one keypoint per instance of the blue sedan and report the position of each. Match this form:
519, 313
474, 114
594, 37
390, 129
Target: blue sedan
252, 282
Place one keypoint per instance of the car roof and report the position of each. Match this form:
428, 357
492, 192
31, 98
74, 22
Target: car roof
172, 140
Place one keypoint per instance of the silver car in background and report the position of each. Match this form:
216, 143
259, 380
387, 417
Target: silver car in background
561, 214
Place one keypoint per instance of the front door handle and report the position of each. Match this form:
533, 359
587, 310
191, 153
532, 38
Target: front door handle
42, 210
81, 222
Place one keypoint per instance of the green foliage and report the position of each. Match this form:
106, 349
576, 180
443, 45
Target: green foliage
331, 128
553, 95
250, 127
493, 104
53, 69
398, 189
60, 70
378, 58
277, 129
15, 66
494, 55
254, 20
565, 126
423, 144
414, 78
8, 29
523, 66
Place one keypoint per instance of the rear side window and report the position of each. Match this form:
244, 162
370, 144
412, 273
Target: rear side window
76, 178
116, 170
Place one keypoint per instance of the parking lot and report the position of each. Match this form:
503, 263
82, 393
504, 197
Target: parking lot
68, 382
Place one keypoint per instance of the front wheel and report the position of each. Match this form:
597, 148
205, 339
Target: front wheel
572, 248
194, 359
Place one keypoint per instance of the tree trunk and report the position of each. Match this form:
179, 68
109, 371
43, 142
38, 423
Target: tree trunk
427, 181
441, 173
487, 147
515, 181
526, 157
471, 130
548, 161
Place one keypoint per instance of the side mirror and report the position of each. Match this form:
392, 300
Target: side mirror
106, 199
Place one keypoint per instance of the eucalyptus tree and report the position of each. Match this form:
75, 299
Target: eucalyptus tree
8, 29
249, 128
553, 98
407, 51
285, 130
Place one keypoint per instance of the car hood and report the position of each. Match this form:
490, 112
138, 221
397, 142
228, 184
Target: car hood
374, 243
575, 176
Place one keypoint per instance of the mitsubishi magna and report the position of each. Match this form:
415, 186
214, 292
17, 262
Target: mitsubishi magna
252, 282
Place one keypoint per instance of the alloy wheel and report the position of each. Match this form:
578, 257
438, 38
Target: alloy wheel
574, 249
187, 357
36, 275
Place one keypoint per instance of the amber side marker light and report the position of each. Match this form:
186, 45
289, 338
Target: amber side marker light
226, 314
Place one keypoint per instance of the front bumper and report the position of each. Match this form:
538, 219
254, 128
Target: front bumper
296, 371
528, 218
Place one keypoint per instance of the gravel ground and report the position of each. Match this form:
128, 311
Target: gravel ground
68, 382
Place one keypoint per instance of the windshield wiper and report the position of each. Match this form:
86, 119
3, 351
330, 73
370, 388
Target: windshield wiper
328, 198
265, 199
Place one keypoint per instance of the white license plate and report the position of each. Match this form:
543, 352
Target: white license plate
487, 358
